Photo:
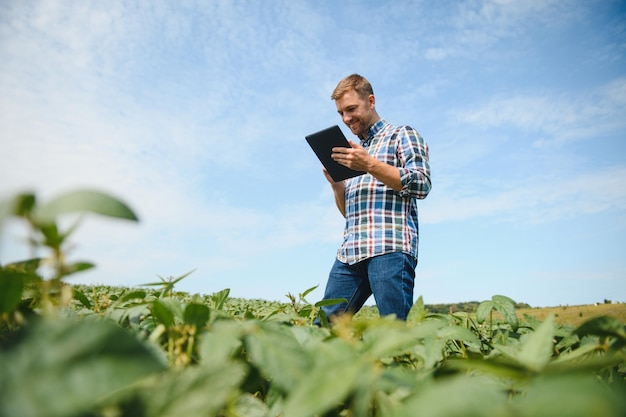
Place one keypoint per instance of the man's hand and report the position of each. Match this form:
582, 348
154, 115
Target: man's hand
337, 185
358, 159
355, 158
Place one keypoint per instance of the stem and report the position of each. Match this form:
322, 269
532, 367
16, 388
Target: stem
491, 325
190, 343
170, 346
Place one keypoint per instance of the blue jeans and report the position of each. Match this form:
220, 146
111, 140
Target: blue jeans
389, 277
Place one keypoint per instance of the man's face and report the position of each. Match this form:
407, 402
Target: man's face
357, 113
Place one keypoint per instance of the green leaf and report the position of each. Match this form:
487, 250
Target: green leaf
196, 391
66, 368
133, 295
307, 292
219, 345
323, 389
602, 326
80, 296
274, 350
29, 266
417, 314
11, 288
330, 302
506, 307
385, 338
500, 366
167, 284
305, 311
503, 299
430, 348
535, 352
585, 359
219, 298
570, 395
20, 205
323, 318
483, 310
52, 237
456, 396
196, 314
247, 405
81, 202
78, 267
328, 383
162, 313
458, 333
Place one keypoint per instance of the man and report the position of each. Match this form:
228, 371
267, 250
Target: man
379, 251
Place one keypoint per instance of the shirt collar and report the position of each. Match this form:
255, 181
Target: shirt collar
372, 131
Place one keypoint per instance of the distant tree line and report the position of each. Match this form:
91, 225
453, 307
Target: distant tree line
466, 307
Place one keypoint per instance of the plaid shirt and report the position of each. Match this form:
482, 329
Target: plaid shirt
379, 219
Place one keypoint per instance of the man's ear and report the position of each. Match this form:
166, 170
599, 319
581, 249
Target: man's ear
372, 101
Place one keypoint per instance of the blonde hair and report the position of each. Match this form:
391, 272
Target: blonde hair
354, 82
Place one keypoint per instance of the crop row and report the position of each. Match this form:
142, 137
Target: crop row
110, 351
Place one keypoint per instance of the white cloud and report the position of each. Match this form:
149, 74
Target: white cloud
473, 28
533, 200
558, 118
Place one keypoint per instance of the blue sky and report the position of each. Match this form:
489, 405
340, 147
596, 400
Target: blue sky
194, 114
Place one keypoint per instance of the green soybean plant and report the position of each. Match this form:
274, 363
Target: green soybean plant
44, 232
52, 362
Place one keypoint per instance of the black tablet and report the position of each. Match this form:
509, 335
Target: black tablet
322, 143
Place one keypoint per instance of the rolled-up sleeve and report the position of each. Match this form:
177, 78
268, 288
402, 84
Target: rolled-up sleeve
414, 167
